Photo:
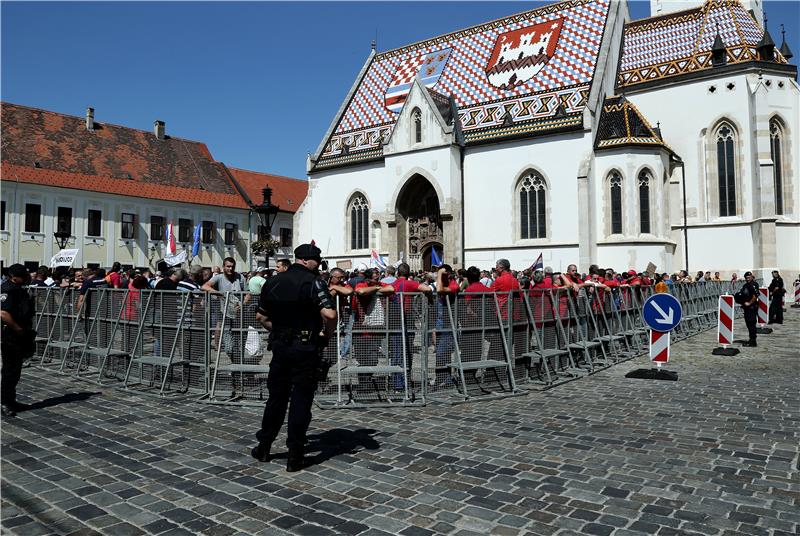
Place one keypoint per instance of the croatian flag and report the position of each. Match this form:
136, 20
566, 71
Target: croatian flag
436, 260
377, 260
169, 236
537, 264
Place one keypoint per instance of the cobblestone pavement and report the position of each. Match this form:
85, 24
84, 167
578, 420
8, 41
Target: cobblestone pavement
714, 453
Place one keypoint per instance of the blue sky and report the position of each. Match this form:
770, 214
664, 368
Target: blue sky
259, 83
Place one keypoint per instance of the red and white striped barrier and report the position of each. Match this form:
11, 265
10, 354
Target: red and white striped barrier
763, 305
659, 347
725, 320
796, 295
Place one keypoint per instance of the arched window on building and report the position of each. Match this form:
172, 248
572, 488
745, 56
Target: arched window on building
359, 222
532, 206
776, 152
644, 201
416, 115
726, 169
615, 195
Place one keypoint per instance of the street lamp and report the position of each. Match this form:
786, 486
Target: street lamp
267, 212
62, 237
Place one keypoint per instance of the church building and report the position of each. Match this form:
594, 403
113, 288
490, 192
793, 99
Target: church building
572, 131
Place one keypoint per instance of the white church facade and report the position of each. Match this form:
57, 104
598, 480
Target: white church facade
570, 131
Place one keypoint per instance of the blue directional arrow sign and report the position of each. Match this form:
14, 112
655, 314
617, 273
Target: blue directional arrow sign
662, 312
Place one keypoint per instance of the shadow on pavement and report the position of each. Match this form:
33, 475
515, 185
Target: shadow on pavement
337, 442
56, 400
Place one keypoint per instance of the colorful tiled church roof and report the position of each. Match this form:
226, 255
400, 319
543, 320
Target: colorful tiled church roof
535, 68
287, 193
621, 124
680, 43
45, 147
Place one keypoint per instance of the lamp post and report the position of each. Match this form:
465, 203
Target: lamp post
267, 212
62, 237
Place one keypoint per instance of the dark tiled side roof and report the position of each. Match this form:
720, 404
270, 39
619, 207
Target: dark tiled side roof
621, 124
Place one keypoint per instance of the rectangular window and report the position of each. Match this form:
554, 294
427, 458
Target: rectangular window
94, 223
286, 238
2, 215
64, 220
156, 227
207, 232
128, 226
184, 230
33, 216
31, 266
230, 234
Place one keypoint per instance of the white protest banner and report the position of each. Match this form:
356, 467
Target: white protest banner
174, 260
65, 257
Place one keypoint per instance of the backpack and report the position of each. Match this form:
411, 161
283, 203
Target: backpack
743, 295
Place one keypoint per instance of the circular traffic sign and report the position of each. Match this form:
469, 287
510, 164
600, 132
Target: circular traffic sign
662, 312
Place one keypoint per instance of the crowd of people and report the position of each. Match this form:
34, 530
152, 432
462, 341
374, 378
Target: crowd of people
501, 278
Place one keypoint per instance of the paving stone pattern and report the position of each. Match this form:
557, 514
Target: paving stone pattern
715, 453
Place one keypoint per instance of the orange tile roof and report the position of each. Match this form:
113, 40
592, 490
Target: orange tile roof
287, 193
123, 187
45, 147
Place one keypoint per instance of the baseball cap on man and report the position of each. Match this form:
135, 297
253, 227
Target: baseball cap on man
17, 270
631, 272
361, 267
308, 252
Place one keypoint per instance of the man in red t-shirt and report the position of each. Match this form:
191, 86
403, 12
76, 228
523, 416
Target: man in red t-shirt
503, 284
402, 286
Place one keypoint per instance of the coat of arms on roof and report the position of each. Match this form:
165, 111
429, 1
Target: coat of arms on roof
519, 55
429, 66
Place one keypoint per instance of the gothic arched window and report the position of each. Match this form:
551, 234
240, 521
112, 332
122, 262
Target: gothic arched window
417, 117
615, 195
532, 206
775, 149
359, 222
726, 169
644, 202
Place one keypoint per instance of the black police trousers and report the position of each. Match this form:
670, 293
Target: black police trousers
11, 372
291, 382
776, 310
750, 316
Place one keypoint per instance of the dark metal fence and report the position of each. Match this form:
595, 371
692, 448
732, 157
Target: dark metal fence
401, 349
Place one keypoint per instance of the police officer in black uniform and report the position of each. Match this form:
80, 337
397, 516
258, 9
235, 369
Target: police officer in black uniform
750, 307
297, 308
776, 292
18, 337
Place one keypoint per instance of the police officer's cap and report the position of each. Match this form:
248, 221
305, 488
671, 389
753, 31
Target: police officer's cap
17, 270
308, 252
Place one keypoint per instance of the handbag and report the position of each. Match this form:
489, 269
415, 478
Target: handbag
373, 313
253, 342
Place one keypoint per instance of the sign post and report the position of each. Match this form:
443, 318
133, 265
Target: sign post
763, 311
725, 327
662, 313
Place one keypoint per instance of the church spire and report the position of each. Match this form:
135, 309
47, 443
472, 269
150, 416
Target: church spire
766, 47
785, 51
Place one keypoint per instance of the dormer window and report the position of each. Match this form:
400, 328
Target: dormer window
416, 116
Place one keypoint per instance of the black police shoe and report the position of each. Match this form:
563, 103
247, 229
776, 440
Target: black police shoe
261, 452
7, 411
296, 463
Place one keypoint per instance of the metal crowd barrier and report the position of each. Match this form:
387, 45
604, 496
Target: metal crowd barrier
400, 349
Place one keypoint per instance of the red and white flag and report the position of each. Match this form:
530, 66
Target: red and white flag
170, 239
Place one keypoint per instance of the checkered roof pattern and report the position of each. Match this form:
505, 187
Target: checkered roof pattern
685, 34
464, 75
